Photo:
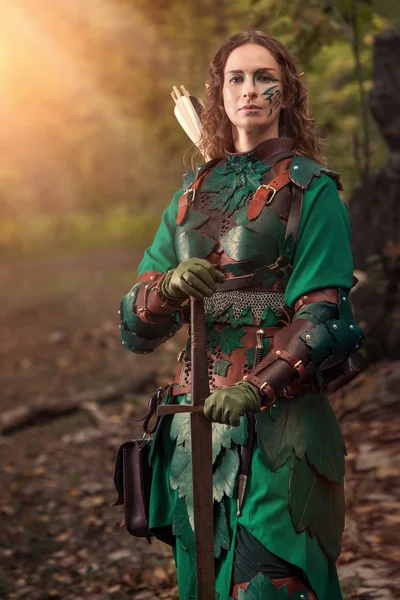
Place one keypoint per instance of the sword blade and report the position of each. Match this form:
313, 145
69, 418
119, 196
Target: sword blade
201, 431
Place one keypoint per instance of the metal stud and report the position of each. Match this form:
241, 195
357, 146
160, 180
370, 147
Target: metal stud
302, 596
274, 406
132, 293
305, 297
357, 346
295, 167
278, 352
334, 326
351, 326
122, 342
308, 336
344, 298
119, 326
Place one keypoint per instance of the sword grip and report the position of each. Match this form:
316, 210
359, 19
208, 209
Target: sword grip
200, 381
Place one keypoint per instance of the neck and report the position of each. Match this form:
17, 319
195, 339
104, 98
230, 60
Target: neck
244, 140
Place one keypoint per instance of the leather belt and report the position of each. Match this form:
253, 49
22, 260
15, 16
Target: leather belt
245, 281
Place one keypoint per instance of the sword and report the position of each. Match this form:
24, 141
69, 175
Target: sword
201, 432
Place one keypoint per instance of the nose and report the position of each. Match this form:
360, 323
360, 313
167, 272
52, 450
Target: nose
249, 90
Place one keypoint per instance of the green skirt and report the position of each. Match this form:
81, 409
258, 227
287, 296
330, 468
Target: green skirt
289, 499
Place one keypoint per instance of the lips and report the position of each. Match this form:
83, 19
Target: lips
250, 106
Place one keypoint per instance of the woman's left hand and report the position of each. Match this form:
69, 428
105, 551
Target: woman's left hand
227, 406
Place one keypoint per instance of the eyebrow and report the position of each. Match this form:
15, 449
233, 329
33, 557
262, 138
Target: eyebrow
256, 71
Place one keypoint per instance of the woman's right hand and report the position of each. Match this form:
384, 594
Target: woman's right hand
195, 277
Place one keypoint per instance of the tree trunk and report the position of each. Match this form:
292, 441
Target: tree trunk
375, 214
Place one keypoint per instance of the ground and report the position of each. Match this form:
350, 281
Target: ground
58, 537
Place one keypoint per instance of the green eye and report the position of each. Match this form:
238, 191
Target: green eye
235, 79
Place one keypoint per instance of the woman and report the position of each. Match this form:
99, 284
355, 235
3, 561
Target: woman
264, 240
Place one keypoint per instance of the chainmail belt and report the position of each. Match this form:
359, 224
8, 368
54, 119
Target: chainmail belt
219, 302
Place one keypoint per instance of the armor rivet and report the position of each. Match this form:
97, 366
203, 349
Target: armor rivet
344, 298
308, 336
302, 596
305, 297
334, 326
119, 326
357, 346
351, 326
119, 312
123, 343
278, 352
295, 167
132, 293
274, 406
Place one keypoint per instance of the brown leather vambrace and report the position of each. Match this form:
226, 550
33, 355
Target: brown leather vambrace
289, 357
152, 306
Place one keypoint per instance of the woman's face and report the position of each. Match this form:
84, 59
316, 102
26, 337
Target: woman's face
252, 89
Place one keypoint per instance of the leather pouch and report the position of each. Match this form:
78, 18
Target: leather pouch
132, 480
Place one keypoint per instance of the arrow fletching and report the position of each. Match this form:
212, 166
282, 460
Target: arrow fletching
188, 112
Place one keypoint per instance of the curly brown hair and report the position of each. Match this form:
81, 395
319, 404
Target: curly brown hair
294, 119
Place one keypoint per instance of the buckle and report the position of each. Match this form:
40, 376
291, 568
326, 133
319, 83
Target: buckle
269, 187
285, 393
193, 190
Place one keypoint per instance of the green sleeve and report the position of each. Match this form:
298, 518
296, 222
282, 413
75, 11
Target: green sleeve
323, 255
161, 255
136, 335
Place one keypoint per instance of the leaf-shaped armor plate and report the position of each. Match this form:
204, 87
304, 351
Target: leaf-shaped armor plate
231, 183
193, 244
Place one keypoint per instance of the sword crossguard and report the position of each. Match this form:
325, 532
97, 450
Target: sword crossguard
172, 409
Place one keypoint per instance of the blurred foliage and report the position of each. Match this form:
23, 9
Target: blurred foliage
116, 228
88, 132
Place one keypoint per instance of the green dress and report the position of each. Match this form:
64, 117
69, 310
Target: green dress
294, 499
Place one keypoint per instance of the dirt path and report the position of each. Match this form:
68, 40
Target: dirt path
59, 336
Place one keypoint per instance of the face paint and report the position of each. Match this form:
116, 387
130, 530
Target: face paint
263, 73
273, 96
252, 90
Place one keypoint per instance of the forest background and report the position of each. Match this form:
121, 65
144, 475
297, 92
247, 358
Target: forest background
91, 154
91, 150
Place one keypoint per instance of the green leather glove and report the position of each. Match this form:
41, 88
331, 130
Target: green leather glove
227, 406
194, 277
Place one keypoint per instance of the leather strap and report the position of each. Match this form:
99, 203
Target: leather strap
293, 223
292, 360
188, 196
297, 388
264, 388
245, 281
151, 305
294, 584
265, 194
329, 294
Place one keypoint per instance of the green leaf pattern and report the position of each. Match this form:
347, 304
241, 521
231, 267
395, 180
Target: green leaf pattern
225, 470
221, 367
231, 183
226, 464
221, 530
227, 340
